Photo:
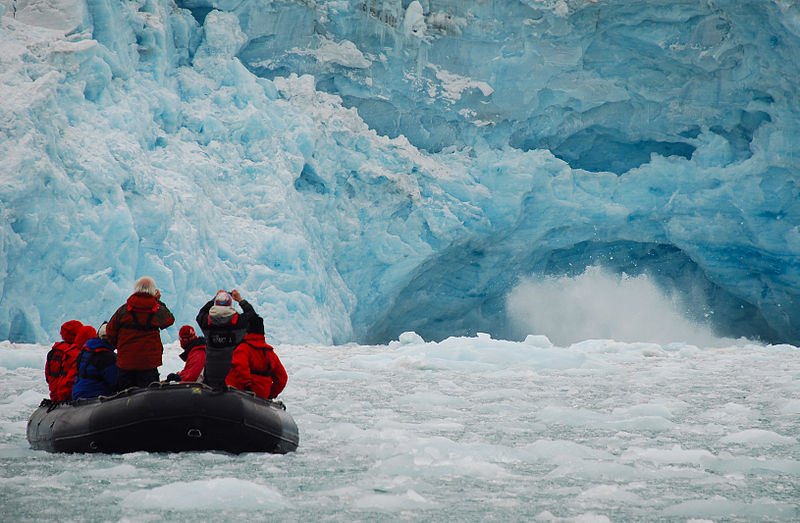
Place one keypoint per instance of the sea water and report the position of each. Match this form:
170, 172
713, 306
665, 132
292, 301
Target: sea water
467, 429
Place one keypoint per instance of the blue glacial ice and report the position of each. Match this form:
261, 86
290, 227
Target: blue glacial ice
361, 168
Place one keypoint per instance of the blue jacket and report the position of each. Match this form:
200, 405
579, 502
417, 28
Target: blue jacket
97, 370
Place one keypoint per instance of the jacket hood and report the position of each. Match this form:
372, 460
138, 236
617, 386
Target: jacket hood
257, 340
98, 343
142, 302
84, 334
70, 329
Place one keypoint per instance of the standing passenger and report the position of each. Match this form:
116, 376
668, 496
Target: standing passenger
224, 329
59, 371
134, 331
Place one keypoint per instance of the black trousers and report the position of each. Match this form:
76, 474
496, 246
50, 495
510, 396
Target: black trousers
136, 378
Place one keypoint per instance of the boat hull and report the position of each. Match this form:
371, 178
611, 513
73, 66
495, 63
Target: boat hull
165, 418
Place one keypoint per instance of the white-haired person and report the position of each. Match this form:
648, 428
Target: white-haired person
135, 331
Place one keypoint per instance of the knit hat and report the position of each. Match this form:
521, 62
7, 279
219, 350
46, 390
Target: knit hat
187, 334
256, 325
70, 329
223, 298
85, 333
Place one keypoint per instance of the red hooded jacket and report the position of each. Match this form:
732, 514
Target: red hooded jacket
256, 367
134, 331
61, 370
194, 354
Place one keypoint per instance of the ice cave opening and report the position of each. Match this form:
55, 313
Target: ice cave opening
464, 290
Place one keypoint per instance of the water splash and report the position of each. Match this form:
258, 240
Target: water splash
600, 305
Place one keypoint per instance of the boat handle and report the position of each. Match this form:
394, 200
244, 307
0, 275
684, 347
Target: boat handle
194, 433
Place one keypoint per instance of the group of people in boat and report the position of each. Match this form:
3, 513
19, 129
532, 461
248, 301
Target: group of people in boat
126, 351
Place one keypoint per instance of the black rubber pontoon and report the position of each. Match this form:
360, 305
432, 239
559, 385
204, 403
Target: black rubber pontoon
165, 418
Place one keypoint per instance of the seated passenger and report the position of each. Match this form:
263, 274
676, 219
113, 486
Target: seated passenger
255, 366
97, 368
194, 354
59, 371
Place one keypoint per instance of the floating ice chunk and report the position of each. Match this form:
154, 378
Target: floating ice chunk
16, 355
210, 494
119, 471
383, 501
720, 507
538, 340
410, 338
674, 456
790, 407
758, 438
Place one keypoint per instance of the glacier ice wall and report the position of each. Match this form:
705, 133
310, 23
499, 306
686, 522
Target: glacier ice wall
363, 167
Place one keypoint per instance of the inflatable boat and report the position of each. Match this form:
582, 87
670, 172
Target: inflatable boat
165, 417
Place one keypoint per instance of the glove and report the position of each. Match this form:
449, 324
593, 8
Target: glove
173, 376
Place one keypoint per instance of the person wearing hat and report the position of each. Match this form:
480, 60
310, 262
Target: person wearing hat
194, 354
59, 371
96, 367
224, 328
134, 330
61, 386
255, 366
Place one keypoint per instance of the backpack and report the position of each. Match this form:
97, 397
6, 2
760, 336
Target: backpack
56, 361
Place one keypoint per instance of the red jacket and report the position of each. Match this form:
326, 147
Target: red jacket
195, 357
256, 367
61, 370
134, 331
